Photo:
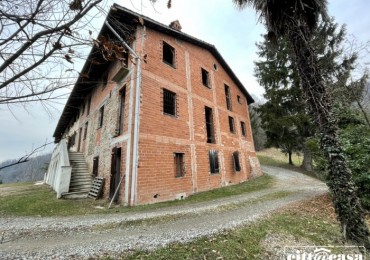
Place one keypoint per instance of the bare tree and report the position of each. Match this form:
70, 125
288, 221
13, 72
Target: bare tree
27, 156
39, 43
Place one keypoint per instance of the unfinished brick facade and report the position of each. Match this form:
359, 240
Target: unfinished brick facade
187, 131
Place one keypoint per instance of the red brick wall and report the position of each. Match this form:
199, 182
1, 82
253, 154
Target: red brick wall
162, 135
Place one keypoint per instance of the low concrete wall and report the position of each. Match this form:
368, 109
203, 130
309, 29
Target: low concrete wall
59, 172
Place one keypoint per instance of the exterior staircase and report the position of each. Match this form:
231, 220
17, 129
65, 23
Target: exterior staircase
81, 181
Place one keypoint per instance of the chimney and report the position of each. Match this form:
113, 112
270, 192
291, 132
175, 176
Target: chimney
175, 25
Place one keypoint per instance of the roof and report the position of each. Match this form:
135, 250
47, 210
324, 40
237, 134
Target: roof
125, 16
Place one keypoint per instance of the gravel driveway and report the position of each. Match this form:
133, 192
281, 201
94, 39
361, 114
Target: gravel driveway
93, 235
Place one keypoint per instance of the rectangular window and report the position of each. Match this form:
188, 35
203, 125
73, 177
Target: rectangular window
121, 121
104, 79
213, 161
95, 172
85, 132
236, 162
101, 117
168, 54
231, 124
88, 104
209, 125
179, 164
242, 126
228, 97
169, 102
205, 78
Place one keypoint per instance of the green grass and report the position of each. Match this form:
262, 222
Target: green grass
274, 157
40, 200
248, 242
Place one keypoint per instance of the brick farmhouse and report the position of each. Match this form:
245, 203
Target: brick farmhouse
162, 120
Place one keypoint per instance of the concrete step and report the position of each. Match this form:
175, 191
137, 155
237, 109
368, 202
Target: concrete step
75, 195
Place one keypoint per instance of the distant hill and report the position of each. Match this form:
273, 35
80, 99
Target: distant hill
33, 170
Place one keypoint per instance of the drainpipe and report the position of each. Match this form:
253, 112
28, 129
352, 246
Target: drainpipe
136, 122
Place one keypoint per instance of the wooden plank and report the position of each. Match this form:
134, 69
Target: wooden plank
97, 188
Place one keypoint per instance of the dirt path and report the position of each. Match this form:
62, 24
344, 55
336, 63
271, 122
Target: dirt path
86, 236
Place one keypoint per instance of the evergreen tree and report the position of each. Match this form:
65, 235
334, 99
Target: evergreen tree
284, 115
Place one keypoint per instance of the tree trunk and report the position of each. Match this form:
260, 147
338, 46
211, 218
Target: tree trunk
307, 159
290, 158
346, 203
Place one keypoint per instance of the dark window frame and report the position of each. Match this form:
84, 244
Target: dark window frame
214, 166
209, 125
121, 119
239, 99
205, 78
101, 117
232, 124
88, 105
85, 130
228, 97
236, 161
168, 54
169, 97
179, 163
95, 171
243, 128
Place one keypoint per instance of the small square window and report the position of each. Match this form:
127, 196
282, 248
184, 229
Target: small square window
213, 161
168, 54
205, 78
169, 102
239, 99
242, 126
179, 164
231, 124
236, 162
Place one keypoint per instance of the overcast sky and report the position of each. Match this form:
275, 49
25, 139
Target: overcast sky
233, 32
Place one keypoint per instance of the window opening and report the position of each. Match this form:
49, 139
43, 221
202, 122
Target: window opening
205, 78
88, 106
236, 162
242, 126
213, 161
121, 122
239, 99
209, 125
228, 97
169, 102
95, 166
101, 116
85, 132
168, 54
231, 124
179, 164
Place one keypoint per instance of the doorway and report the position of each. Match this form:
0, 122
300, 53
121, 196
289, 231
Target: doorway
115, 173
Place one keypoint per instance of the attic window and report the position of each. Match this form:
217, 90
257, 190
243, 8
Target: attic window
168, 54
215, 66
205, 78
239, 99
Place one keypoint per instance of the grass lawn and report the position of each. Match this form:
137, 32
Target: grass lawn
40, 200
303, 224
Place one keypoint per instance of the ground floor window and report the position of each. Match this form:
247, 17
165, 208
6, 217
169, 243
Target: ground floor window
236, 162
213, 161
95, 166
179, 164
